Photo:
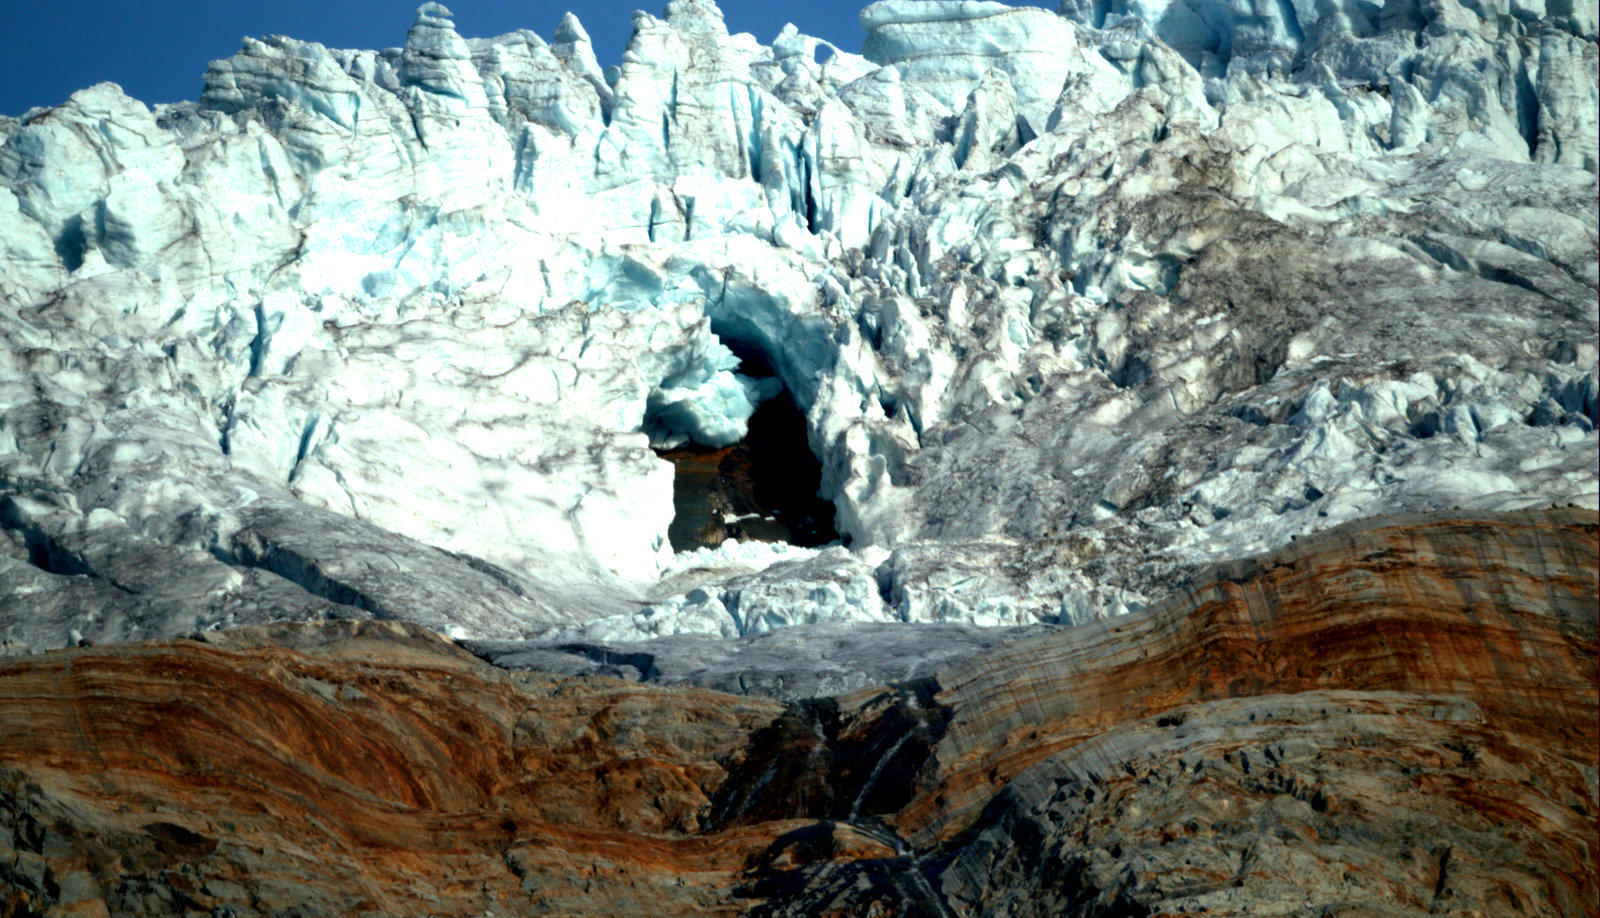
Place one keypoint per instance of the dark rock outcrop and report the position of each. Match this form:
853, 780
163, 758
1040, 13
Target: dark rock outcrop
1397, 717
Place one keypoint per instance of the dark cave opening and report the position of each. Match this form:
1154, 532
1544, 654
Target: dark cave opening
761, 489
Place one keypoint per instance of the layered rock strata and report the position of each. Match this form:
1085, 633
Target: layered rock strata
1394, 717
337, 571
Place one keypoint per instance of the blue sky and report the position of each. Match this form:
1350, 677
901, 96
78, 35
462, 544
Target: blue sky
158, 49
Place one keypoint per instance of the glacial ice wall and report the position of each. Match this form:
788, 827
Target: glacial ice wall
1072, 301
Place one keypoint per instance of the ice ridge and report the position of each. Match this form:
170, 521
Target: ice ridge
1072, 301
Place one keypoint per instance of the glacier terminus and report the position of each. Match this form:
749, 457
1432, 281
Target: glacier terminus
1132, 459
1072, 302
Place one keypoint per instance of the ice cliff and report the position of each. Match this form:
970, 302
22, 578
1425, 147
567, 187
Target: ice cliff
1072, 301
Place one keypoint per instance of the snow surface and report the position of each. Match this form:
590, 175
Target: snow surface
1073, 302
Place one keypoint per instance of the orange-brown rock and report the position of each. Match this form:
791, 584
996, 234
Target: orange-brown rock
1497, 610
365, 768
1396, 717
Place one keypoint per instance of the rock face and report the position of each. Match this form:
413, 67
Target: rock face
1394, 717
1073, 303
359, 768
1188, 502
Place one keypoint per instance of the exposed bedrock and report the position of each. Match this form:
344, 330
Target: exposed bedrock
1204, 397
1394, 717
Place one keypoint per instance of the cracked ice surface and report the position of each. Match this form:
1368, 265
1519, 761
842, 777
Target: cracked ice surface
1072, 302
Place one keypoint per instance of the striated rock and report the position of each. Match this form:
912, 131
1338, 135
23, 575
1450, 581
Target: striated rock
1383, 605
1018, 318
1394, 717
363, 768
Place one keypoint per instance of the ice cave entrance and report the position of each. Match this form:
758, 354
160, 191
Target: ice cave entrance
762, 489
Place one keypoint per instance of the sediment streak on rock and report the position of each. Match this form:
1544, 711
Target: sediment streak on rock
1399, 713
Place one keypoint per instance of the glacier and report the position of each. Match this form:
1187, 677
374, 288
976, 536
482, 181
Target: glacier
1073, 302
